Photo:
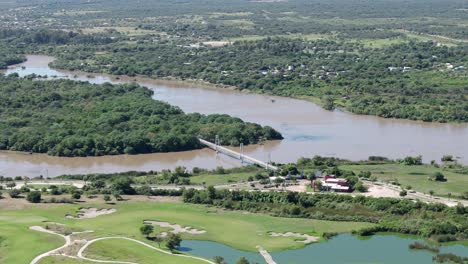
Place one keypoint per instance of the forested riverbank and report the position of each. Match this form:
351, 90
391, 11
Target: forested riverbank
67, 118
408, 79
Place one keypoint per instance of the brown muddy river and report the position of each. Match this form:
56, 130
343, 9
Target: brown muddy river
308, 130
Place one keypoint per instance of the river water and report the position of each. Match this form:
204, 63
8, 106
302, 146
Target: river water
383, 249
308, 130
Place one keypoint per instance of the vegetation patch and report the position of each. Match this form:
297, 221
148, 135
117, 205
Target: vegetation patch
66, 118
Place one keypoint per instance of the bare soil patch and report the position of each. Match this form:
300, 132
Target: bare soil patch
307, 238
380, 191
86, 213
216, 43
176, 229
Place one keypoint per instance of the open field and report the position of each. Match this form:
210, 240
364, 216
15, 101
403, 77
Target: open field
240, 230
124, 250
131, 31
291, 36
416, 177
18, 244
218, 179
63, 260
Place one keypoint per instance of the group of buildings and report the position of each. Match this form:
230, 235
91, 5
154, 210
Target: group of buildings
332, 184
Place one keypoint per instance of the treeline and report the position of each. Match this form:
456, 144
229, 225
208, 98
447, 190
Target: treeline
393, 215
8, 56
23, 38
215, 19
180, 175
342, 74
66, 118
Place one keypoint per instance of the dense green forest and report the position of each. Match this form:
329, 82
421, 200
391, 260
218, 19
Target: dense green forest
216, 19
390, 58
8, 57
67, 118
407, 80
438, 221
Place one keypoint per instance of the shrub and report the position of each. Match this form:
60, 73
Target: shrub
438, 176
76, 195
447, 158
107, 198
14, 193
34, 197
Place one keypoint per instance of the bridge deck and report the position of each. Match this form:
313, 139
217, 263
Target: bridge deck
237, 155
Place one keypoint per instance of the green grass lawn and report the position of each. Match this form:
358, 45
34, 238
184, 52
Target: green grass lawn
125, 250
243, 231
18, 244
416, 177
218, 179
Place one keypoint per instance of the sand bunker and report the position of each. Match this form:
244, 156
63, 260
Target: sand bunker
86, 213
176, 229
307, 238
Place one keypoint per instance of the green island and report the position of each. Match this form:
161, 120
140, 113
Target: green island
66, 118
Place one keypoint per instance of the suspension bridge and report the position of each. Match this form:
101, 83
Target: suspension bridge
236, 155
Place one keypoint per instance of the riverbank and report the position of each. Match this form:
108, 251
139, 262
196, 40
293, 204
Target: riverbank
307, 128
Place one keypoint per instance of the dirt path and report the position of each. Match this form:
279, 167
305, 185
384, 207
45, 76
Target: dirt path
83, 248
268, 258
52, 252
69, 242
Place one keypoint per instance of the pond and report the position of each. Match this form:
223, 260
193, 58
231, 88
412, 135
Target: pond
345, 248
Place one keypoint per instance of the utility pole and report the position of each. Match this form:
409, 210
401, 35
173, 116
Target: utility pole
216, 143
241, 156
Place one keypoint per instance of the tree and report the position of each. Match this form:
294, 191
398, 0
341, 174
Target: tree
365, 174
403, 193
173, 241
107, 198
464, 196
211, 192
11, 185
449, 195
431, 192
242, 260
447, 158
146, 230
123, 186
34, 197
14, 193
219, 260
76, 195
117, 196
1, 195
360, 187
438, 176
159, 240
